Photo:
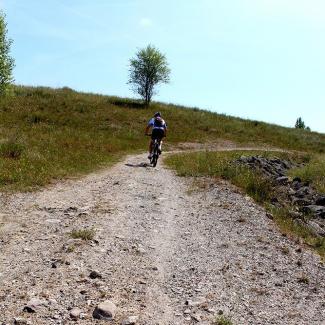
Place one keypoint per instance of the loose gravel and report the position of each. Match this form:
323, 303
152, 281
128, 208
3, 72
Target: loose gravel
162, 251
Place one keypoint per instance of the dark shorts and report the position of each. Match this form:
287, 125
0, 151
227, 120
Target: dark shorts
157, 134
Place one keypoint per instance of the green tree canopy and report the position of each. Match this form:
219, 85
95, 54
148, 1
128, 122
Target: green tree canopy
147, 69
300, 124
6, 61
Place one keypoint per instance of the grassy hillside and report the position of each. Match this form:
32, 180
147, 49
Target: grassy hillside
47, 134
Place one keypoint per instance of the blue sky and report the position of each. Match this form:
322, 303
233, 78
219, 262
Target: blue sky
258, 59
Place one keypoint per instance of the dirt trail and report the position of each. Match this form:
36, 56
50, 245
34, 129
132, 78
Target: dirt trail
156, 247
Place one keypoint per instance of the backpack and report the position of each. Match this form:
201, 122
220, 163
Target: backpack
158, 122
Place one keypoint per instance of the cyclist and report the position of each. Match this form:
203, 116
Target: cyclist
159, 130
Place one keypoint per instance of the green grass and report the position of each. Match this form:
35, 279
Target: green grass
220, 165
223, 320
84, 234
11, 149
313, 171
62, 133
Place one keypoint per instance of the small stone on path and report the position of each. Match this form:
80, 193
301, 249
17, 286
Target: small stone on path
33, 305
131, 320
95, 275
75, 313
20, 321
105, 311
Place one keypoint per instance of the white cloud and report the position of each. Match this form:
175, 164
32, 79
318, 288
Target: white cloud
145, 22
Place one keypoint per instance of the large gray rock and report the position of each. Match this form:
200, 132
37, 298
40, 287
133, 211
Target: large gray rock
105, 311
321, 201
317, 210
302, 192
282, 180
33, 305
315, 228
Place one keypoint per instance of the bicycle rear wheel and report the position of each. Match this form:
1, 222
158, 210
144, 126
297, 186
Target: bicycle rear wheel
155, 155
154, 160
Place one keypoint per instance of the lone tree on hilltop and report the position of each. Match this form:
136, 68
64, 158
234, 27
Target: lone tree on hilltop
148, 69
7, 63
300, 124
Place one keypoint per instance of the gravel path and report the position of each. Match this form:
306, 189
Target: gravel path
164, 250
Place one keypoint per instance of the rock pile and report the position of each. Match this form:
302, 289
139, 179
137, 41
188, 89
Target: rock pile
301, 198
273, 168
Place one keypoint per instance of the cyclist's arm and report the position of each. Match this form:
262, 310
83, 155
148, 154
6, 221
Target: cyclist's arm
149, 125
147, 129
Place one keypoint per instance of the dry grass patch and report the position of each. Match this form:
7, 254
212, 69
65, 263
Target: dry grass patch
223, 320
84, 234
11, 149
313, 172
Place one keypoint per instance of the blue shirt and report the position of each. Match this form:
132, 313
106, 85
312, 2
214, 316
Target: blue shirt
163, 125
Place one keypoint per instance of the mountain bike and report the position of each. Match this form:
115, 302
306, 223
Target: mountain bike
155, 152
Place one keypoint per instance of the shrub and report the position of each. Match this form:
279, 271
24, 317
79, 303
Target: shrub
11, 149
84, 234
35, 118
125, 102
258, 187
223, 320
67, 90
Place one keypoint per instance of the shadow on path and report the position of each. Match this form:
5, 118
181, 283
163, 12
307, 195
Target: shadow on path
138, 165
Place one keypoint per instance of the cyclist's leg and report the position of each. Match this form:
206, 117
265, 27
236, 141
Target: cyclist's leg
159, 145
150, 148
150, 145
161, 135
153, 137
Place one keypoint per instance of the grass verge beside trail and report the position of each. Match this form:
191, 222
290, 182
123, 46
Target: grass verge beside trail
220, 165
313, 172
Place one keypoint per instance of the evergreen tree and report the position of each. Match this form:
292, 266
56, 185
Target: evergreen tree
300, 124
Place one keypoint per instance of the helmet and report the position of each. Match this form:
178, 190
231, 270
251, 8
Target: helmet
157, 114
